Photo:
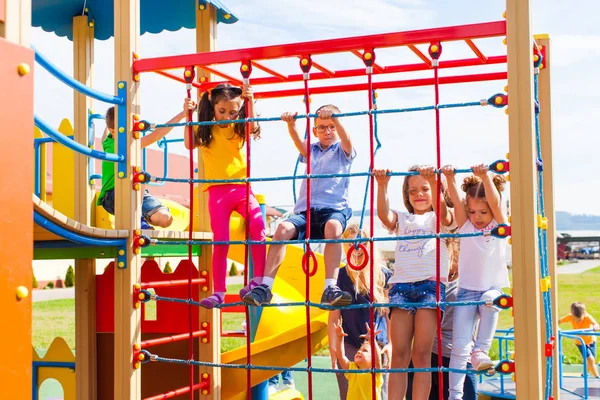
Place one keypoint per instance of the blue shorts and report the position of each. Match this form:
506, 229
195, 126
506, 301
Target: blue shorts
318, 219
588, 350
416, 292
150, 204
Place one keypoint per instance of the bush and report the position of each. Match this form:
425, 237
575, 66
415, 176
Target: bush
168, 269
50, 285
70, 277
233, 271
35, 283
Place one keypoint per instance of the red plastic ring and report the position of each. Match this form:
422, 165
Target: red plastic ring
305, 262
365, 258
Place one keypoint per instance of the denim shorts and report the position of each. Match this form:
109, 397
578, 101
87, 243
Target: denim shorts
416, 292
150, 204
588, 350
318, 219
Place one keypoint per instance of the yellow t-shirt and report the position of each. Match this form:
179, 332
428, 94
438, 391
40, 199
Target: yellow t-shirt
586, 322
224, 157
359, 385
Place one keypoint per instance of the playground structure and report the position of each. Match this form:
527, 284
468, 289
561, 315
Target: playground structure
116, 327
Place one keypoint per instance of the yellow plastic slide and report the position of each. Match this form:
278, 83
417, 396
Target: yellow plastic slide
281, 336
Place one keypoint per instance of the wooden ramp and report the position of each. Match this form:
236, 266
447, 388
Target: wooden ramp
46, 211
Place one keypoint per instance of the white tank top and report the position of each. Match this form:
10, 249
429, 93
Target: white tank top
482, 260
416, 258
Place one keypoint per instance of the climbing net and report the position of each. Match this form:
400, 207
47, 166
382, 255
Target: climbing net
365, 49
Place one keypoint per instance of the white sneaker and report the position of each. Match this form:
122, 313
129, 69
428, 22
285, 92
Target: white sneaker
481, 361
286, 386
272, 390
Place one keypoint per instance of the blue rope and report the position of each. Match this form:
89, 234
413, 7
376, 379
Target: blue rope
309, 241
324, 306
302, 116
155, 358
375, 134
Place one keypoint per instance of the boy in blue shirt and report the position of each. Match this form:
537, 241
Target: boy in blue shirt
333, 153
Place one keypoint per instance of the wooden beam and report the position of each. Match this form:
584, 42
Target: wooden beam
545, 122
206, 40
85, 269
15, 21
127, 380
526, 273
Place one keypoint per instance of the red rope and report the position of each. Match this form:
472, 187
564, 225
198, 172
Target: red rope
308, 170
372, 233
190, 254
246, 258
437, 229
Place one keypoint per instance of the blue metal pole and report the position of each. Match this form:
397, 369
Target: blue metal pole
73, 145
69, 81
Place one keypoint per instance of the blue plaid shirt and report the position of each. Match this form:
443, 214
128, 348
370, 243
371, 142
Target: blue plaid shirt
326, 192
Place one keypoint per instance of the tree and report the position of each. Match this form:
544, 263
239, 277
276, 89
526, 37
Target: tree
70, 277
233, 271
168, 269
35, 283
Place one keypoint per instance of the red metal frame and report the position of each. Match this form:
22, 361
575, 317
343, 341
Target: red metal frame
444, 34
493, 76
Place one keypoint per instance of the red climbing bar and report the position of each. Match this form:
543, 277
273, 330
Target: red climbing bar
179, 282
223, 75
476, 50
444, 34
269, 71
177, 78
178, 392
420, 54
493, 76
170, 339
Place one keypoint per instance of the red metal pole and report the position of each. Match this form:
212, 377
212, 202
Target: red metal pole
170, 339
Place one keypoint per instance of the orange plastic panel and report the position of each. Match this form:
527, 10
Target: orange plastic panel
16, 228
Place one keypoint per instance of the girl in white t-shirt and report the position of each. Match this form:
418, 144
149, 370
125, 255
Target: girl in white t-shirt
482, 270
413, 326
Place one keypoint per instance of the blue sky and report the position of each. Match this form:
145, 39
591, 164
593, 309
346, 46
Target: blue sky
468, 135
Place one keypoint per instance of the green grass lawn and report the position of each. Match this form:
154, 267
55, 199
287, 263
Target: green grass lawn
57, 317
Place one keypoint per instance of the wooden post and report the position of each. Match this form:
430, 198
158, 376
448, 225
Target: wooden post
15, 21
526, 274
85, 270
127, 382
206, 38
545, 123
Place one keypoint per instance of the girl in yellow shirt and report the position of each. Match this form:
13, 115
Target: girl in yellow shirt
224, 157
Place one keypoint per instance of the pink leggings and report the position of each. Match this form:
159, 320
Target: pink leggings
222, 201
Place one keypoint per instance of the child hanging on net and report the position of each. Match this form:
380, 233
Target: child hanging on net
482, 270
333, 153
359, 385
153, 212
414, 325
580, 319
224, 157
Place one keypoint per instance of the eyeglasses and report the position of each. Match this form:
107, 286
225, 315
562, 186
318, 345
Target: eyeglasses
323, 128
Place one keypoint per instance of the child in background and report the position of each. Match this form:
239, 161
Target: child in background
580, 319
153, 212
414, 281
358, 284
482, 270
224, 157
333, 153
359, 385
